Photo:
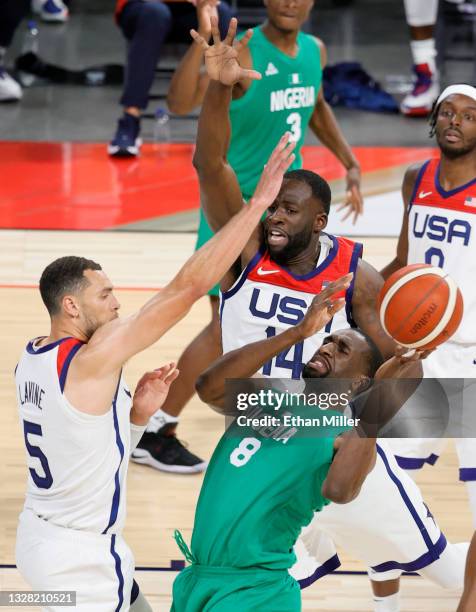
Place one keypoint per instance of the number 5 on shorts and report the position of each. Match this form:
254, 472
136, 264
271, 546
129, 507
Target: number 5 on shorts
244, 451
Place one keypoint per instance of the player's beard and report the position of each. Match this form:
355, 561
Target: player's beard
308, 372
296, 244
455, 153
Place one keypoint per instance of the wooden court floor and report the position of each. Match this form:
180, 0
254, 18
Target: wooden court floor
158, 502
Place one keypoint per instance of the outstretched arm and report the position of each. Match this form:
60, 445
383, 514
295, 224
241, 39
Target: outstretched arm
324, 125
245, 361
114, 343
219, 189
355, 451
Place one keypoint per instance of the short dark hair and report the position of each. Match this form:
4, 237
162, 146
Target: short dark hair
375, 358
319, 186
62, 276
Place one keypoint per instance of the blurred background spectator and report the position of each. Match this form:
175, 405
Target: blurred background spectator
147, 25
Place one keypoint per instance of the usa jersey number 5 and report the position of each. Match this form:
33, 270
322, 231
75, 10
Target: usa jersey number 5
42, 482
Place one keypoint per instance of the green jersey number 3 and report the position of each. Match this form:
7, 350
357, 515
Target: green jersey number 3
294, 121
244, 451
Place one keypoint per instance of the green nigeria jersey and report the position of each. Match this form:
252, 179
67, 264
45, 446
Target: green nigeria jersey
261, 487
283, 100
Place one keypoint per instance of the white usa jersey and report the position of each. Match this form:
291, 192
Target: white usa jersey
268, 298
441, 232
77, 462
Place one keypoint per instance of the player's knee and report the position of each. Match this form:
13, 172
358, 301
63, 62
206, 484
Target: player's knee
155, 15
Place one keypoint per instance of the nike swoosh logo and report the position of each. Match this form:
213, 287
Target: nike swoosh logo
262, 272
424, 194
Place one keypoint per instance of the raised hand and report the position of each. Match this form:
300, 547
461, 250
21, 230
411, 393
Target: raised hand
323, 307
221, 58
152, 390
272, 177
353, 203
404, 364
206, 9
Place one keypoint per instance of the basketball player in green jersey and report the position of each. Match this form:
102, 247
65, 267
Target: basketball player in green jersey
289, 97
263, 485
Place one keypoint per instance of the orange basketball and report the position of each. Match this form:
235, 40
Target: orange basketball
420, 306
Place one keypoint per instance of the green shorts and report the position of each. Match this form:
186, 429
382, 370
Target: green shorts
200, 588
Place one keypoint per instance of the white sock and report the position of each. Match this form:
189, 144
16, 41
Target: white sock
421, 12
159, 419
424, 52
471, 489
391, 603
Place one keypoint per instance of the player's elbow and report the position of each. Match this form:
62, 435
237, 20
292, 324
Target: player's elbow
177, 105
339, 492
206, 389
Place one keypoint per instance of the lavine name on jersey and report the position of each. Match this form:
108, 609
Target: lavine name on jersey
292, 97
31, 393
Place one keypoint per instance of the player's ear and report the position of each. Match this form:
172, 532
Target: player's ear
320, 222
70, 306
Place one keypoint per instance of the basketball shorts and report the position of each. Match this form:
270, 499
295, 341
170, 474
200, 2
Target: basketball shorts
200, 588
204, 234
388, 527
99, 568
455, 367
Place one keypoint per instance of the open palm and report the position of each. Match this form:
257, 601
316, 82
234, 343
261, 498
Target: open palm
221, 58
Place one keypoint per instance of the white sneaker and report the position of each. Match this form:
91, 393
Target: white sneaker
425, 91
53, 11
10, 90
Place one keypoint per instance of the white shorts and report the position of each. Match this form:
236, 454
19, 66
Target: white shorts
450, 363
100, 568
388, 527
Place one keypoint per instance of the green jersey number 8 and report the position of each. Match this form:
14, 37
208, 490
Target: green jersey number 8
294, 121
244, 451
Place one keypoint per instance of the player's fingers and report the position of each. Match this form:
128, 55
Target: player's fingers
230, 35
199, 39
165, 370
244, 40
281, 152
172, 376
341, 283
245, 73
286, 163
336, 306
215, 30
348, 213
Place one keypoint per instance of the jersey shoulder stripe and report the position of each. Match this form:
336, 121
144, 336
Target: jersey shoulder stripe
66, 351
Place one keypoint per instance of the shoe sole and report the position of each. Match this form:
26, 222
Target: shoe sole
116, 151
147, 459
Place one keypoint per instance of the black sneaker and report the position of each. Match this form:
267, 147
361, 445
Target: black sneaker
166, 452
126, 142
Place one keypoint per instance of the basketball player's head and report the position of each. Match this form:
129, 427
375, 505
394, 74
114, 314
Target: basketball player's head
288, 15
294, 220
453, 120
346, 353
76, 290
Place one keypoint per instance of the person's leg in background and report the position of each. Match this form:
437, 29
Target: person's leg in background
11, 14
421, 17
145, 25
159, 447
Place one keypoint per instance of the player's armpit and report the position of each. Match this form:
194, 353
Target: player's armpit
368, 283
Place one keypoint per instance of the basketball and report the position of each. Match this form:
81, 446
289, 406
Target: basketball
420, 306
